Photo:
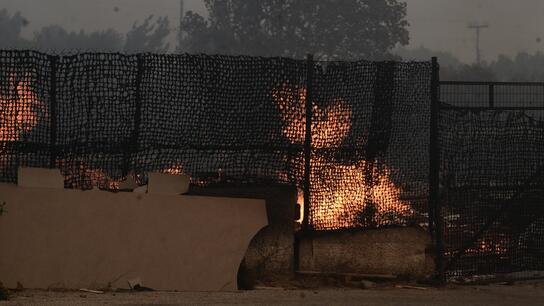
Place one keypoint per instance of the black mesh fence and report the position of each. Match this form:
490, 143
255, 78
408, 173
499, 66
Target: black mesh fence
99, 117
492, 179
370, 160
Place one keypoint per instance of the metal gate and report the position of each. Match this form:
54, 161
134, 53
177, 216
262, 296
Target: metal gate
489, 199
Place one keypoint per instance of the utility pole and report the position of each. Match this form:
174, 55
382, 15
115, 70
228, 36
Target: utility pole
180, 27
478, 27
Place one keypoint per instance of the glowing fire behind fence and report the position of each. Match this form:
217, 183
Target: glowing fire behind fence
341, 196
18, 111
340, 192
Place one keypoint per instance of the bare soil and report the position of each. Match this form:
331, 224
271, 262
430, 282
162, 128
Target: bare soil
526, 293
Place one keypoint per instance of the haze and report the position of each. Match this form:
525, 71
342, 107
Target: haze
440, 25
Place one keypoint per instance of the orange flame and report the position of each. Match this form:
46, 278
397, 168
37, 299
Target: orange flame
176, 169
18, 113
346, 185
100, 179
329, 126
93, 178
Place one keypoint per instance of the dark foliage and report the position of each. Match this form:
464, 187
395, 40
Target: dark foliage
330, 29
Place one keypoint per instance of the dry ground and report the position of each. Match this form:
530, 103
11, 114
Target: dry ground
528, 293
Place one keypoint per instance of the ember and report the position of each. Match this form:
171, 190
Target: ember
175, 169
86, 177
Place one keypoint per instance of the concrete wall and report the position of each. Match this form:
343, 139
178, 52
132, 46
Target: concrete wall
60, 238
270, 255
396, 251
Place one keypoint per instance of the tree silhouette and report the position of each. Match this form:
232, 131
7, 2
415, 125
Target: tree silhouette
10, 30
148, 36
524, 67
57, 38
331, 29
422, 53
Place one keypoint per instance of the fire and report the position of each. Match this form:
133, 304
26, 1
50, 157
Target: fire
100, 179
353, 201
331, 123
18, 113
347, 185
176, 169
495, 245
80, 175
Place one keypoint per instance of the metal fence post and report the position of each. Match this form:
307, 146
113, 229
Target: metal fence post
53, 112
491, 90
132, 146
308, 142
138, 98
436, 223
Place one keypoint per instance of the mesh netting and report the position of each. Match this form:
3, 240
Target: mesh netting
100, 117
370, 162
492, 180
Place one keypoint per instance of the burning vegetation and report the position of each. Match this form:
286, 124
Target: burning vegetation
18, 109
20, 112
342, 195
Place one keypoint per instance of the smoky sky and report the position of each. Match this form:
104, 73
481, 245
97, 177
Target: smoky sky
436, 24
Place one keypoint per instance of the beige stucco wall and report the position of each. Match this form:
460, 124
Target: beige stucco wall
60, 238
270, 256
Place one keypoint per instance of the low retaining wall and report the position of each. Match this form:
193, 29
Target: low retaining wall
396, 251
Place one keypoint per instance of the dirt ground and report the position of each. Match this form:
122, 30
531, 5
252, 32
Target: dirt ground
527, 293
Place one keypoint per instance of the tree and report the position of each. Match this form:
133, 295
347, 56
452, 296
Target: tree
56, 38
468, 73
10, 30
330, 29
524, 67
424, 54
451, 68
148, 36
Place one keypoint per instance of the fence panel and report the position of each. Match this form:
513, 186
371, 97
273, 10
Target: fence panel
234, 119
492, 178
25, 126
370, 162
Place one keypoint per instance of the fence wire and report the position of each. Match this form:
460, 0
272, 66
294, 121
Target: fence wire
370, 161
99, 117
492, 179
